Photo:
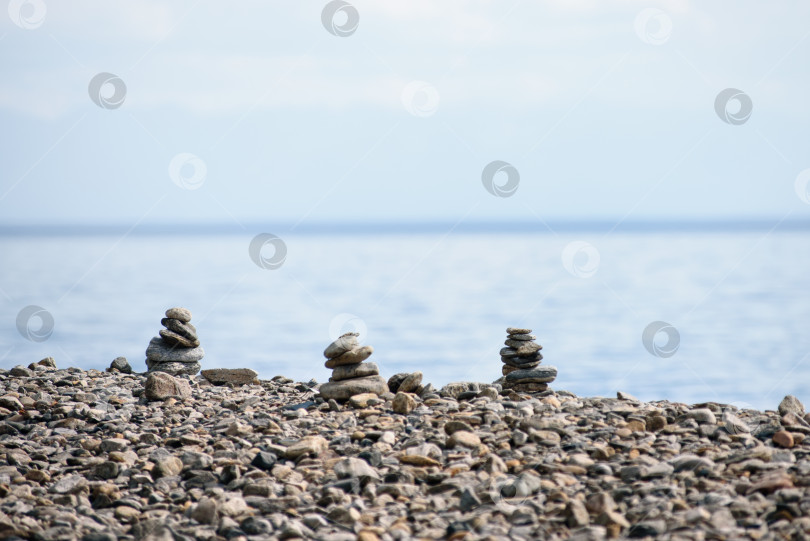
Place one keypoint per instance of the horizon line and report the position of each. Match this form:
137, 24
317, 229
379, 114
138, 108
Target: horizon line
404, 227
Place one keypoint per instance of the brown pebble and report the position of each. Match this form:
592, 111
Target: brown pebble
657, 422
783, 438
636, 426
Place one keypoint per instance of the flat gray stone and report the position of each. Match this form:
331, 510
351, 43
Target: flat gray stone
355, 356
182, 314
174, 339
346, 342
523, 347
355, 371
522, 362
522, 337
159, 351
185, 329
541, 374
517, 330
345, 389
351, 468
173, 368
231, 376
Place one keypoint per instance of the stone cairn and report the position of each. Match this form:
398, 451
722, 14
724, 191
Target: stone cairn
350, 375
521, 363
177, 350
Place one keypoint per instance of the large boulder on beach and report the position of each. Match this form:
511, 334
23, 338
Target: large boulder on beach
345, 389
160, 386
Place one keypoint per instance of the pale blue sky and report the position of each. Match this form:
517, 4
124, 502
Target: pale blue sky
296, 125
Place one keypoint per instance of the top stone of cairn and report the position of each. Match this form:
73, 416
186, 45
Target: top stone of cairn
346, 342
517, 330
179, 313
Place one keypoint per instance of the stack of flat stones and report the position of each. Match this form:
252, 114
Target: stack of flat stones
177, 350
521, 363
350, 375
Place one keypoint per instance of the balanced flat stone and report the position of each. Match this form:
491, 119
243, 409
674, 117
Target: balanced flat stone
508, 352
528, 387
186, 329
521, 366
523, 347
354, 371
522, 361
355, 356
346, 342
523, 337
174, 339
343, 390
159, 351
231, 376
517, 330
173, 368
542, 374
182, 314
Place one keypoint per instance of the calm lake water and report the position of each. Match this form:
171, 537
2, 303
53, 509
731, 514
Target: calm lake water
438, 303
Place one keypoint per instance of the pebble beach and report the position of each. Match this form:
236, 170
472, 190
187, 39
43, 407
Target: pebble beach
100, 456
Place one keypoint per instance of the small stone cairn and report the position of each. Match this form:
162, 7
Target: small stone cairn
350, 375
521, 363
177, 350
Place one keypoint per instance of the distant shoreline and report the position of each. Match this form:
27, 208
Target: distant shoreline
404, 228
